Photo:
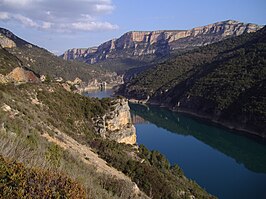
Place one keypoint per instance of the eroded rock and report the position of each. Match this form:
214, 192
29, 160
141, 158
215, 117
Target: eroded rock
116, 124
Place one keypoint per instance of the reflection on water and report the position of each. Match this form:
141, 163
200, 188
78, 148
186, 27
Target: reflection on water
226, 164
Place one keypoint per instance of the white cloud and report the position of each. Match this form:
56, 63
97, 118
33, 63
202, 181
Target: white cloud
104, 8
4, 16
58, 15
46, 25
16, 3
25, 21
91, 26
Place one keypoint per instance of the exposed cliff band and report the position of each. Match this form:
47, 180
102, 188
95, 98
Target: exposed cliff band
116, 124
159, 43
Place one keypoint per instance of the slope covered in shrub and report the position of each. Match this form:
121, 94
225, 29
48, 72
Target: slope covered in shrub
18, 181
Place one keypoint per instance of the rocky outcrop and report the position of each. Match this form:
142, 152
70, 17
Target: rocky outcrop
116, 124
160, 43
21, 75
77, 53
9, 40
6, 42
18, 52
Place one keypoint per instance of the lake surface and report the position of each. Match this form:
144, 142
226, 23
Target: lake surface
100, 93
226, 164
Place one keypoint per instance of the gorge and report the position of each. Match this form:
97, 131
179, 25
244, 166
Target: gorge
223, 82
49, 122
200, 147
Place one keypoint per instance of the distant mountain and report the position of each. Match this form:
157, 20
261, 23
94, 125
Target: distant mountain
224, 82
16, 52
137, 48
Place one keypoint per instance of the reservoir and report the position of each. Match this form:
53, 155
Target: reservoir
226, 164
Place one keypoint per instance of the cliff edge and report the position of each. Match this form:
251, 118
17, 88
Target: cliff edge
159, 43
116, 124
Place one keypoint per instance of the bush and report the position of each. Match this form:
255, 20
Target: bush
17, 181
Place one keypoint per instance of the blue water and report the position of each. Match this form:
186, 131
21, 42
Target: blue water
226, 164
100, 93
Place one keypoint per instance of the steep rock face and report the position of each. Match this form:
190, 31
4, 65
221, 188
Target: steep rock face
77, 53
116, 124
160, 43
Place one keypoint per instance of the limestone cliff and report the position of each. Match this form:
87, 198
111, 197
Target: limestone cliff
160, 43
77, 53
116, 124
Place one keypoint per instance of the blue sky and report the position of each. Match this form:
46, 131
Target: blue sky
58, 25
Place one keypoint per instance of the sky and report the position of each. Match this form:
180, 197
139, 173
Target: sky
58, 25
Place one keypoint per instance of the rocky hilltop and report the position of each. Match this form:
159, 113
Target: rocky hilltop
159, 43
116, 124
41, 61
10, 40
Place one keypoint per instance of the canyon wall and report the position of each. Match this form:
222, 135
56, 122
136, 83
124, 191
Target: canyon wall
159, 43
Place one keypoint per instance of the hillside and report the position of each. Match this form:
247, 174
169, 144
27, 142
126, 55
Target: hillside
223, 82
18, 181
49, 129
45, 63
8, 61
138, 48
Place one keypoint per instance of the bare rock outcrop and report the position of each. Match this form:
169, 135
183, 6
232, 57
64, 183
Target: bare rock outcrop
5, 42
9, 40
21, 75
116, 124
160, 43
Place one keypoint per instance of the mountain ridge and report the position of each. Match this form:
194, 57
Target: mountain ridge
138, 44
44, 62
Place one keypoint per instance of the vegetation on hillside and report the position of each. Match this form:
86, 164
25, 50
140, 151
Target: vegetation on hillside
43, 62
24, 118
147, 168
8, 62
211, 80
30, 110
18, 181
120, 65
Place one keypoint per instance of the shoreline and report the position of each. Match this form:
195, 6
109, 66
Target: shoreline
227, 125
